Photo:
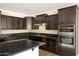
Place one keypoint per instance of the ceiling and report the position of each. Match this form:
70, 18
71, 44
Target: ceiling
33, 8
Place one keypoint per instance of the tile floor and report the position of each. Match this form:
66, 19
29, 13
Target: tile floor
46, 53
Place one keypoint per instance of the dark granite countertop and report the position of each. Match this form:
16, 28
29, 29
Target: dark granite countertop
13, 47
48, 36
26, 35
11, 44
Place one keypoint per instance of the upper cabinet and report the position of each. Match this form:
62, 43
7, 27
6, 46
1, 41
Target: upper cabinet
38, 20
67, 15
0, 20
35, 23
24, 24
71, 15
52, 22
41, 18
3, 22
9, 22
47, 22
20, 23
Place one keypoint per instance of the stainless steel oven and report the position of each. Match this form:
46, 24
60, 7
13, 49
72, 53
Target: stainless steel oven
67, 34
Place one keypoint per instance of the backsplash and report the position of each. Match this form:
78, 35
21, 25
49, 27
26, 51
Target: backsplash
42, 27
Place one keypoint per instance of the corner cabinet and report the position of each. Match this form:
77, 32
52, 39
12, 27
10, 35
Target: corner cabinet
41, 18
67, 15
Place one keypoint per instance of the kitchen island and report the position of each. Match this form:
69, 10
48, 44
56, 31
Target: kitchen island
19, 47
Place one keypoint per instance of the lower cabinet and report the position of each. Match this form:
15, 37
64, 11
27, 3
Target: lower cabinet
51, 43
66, 51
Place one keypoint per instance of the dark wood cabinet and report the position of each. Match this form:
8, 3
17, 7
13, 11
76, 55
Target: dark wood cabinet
47, 22
52, 22
34, 23
71, 15
41, 18
38, 20
3, 22
49, 39
24, 25
19, 23
67, 15
66, 51
9, 22
0, 20
51, 45
62, 16
13, 23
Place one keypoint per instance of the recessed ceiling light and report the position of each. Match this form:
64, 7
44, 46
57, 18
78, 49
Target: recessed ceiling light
28, 9
31, 9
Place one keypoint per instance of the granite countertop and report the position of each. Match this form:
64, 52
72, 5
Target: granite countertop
26, 35
11, 41
13, 47
48, 36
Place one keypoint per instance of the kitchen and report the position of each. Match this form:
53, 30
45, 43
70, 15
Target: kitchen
51, 33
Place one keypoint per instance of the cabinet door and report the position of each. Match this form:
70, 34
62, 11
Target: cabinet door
14, 23
71, 15
41, 18
3, 22
34, 22
54, 22
9, 22
47, 22
0, 20
19, 23
66, 51
62, 16
24, 25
